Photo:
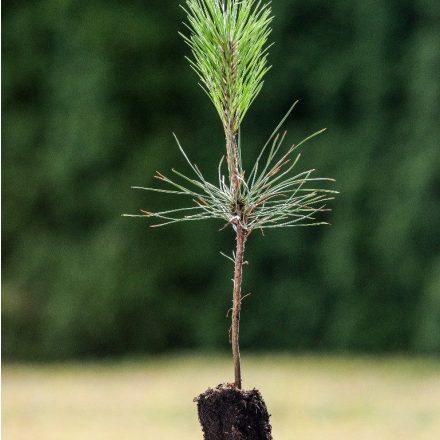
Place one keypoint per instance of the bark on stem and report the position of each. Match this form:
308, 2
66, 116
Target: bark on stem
230, 127
241, 234
232, 159
236, 302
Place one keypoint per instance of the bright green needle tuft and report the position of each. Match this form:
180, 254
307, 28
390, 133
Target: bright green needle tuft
228, 43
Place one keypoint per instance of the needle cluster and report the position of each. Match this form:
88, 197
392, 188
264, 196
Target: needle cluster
274, 195
228, 43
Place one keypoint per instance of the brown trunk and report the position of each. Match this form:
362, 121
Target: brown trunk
236, 302
232, 158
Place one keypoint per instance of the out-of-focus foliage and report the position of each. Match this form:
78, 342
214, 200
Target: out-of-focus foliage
91, 93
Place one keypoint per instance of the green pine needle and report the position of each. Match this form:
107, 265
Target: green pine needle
229, 52
273, 198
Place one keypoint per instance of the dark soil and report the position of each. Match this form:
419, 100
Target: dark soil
227, 413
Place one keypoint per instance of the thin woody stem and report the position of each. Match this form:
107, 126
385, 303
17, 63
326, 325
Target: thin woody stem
236, 302
229, 53
230, 127
232, 159
241, 233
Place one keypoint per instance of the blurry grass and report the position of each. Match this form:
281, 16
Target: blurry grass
309, 397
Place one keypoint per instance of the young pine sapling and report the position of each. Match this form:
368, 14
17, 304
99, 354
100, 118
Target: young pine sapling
228, 41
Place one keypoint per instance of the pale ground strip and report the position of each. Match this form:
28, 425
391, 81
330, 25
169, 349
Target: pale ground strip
310, 398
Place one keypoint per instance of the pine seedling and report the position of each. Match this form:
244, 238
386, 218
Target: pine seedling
229, 47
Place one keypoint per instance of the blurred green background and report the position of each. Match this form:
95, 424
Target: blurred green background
91, 93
